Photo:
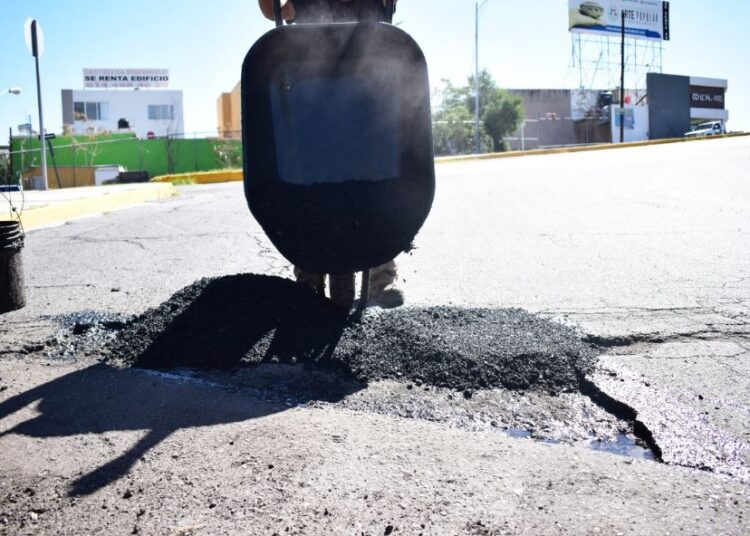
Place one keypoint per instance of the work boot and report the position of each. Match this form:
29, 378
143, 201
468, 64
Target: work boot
342, 290
383, 289
313, 281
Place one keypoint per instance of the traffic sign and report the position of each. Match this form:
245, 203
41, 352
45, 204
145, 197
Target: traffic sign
32, 32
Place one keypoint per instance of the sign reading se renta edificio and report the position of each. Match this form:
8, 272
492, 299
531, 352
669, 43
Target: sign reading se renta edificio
114, 78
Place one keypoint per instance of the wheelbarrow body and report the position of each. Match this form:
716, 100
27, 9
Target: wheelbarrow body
337, 143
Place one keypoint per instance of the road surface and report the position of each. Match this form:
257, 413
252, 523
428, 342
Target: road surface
643, 251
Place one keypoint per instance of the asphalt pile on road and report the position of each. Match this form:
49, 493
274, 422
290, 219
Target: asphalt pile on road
243, 320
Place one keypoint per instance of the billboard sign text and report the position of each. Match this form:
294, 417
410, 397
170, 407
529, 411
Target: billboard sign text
707, 97
118, 78
644, 19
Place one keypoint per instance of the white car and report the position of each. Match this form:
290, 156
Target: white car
712, 128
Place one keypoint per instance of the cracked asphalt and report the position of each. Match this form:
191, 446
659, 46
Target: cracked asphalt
642, 251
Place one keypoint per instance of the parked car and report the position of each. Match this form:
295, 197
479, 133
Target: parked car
712, 128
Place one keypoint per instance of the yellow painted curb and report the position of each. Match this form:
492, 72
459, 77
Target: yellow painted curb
61, 211
578, 149
202, 177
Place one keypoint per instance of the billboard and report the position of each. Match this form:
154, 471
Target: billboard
644, 19
114, 78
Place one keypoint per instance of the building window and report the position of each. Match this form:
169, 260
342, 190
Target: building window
158, 112
91, 111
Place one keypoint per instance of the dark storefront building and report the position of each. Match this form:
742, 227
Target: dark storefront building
677, 102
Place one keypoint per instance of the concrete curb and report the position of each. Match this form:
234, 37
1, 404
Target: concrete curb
201, 177
579, 149
102, 199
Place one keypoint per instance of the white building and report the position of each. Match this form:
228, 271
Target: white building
142, 110
118, 100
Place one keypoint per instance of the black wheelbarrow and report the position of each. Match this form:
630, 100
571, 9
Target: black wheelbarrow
337, 142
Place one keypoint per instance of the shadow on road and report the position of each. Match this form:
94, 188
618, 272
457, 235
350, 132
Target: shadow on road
232, 321
102, 399
217, 324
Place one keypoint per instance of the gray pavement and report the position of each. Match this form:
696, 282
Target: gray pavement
34, 199
643, 250
634, 242
202, 460
38, 209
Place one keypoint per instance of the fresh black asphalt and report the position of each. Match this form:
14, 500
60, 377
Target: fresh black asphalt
242, 320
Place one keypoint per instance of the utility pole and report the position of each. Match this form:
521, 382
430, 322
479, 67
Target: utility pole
622, 79
35, 44
476, 77
42, 144
477, 8
10, 154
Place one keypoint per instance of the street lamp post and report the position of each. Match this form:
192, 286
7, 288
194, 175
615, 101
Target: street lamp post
477, 8
12, 90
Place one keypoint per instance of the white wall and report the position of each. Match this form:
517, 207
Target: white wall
709, 114
640, 129
133, 106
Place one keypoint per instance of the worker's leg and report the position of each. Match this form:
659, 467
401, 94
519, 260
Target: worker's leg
383, 286
316, 282
342, 290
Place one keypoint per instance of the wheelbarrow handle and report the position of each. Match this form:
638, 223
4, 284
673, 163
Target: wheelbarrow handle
389, 10
277, 13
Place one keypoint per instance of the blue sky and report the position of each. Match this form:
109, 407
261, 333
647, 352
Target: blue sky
523, 44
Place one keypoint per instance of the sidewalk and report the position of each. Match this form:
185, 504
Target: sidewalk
40, 208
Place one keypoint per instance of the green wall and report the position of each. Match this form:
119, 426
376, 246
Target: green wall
134, 154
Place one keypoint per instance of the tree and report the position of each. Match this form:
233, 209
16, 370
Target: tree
91, 145
501, 118
453, 97
453, 116
453, 132
170, 147
5, 171
489, 93
172, 125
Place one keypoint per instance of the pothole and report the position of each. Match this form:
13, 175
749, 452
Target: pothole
624, 445
494, 369
569, 418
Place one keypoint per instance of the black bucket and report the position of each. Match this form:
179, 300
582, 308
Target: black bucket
12, 295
